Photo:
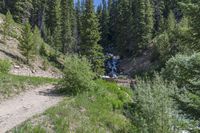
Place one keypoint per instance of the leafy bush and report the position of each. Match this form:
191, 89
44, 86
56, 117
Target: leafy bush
78, 76
153, 109
4, 66
185, 71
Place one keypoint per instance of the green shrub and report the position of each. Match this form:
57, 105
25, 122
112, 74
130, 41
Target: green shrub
43, 50
45, 64
153, 109
78, 76
4, 66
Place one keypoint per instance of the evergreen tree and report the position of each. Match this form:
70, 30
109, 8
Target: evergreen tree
169, 42
149, 20
184, 70
7, 26
112, 7
23, 10
38, 13
27, 43
99, 13
53, 23
192, 11
104, 25
90, 36
2, 6
143, 23
110, 2
73, 25
37, 40
78, 22
171, 21
67, 23
159, 7
124, 27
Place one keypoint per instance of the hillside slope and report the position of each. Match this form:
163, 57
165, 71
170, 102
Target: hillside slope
9, 51
140, 64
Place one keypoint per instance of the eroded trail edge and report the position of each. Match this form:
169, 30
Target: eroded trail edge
22, 107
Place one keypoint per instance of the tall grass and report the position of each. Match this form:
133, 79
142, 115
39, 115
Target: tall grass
95, 111
12, 84
5, 66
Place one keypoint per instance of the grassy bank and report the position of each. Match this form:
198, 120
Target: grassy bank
100, 110
12, 84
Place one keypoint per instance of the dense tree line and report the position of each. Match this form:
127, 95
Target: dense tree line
124, 26
129, 26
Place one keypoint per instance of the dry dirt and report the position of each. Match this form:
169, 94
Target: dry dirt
22, 107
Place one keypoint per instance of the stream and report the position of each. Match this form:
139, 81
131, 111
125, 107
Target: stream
112, 65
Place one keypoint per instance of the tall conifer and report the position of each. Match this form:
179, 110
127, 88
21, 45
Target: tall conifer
90, 36
67, 24
143, 23
104, 25
23, 10
7, 26
78, 22
2, 6
53, 22
26, 45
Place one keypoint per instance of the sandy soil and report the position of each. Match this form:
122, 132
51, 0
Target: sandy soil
22, 107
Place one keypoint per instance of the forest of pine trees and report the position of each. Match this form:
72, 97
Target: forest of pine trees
129, 28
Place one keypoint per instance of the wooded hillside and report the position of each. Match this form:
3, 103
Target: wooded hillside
157, 42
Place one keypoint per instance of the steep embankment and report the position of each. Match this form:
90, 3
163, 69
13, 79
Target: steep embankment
9, 50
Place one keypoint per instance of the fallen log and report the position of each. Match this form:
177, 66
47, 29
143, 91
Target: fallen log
124, 82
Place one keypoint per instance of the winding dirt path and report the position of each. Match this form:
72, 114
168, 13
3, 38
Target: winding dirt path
22, 107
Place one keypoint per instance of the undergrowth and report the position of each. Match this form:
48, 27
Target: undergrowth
5, 66
96, 111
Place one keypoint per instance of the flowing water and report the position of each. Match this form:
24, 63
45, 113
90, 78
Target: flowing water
112, 65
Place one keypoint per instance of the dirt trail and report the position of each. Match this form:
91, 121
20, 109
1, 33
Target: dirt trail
18, 109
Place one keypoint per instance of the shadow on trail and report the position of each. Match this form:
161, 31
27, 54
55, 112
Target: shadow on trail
56, 92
